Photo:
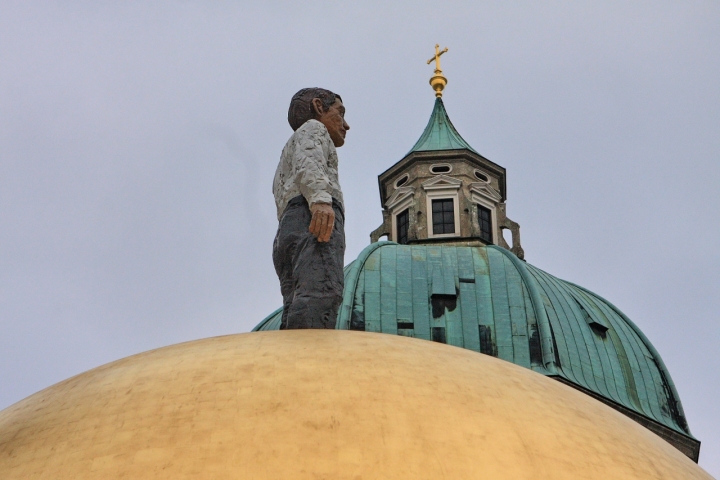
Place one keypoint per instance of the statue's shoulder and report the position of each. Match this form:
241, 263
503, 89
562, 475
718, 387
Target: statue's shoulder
311, 128
310, 136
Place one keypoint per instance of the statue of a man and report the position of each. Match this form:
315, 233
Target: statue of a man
309, 247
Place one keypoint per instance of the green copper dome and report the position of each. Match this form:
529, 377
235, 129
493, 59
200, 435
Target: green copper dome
440, 134
486, 299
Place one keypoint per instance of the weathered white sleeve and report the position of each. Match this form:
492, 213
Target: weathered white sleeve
309, 163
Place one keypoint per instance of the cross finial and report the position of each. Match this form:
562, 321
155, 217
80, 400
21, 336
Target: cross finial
436, 57
438, 81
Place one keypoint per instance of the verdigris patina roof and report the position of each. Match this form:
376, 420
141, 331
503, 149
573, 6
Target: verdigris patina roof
487, 300
440, 134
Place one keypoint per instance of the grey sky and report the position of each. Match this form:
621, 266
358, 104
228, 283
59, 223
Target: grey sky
138, 143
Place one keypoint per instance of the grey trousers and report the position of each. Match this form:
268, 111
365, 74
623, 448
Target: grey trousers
310, 272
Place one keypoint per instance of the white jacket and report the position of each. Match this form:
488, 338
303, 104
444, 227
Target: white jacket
308, 167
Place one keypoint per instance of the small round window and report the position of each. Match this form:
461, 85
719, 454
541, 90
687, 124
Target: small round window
481, 176
441, 168
402, 180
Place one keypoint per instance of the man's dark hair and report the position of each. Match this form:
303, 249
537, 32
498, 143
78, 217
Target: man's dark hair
301, 109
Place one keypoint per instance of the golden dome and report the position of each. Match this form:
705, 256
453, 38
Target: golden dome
324, 404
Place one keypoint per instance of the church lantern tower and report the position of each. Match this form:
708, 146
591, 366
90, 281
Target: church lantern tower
443, 190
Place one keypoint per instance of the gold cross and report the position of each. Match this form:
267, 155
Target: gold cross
436, 57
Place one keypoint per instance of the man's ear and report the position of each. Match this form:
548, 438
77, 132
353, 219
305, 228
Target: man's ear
318, 107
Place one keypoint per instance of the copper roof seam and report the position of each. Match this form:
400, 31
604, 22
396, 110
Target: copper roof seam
351, 279
569, 299
542, 318
613, 385
658, 359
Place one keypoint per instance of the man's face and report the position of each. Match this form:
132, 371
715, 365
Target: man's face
334, 121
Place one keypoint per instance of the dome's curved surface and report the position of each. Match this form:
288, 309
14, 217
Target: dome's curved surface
323, 404
487, 300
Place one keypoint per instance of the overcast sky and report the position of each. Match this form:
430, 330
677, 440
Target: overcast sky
138, 141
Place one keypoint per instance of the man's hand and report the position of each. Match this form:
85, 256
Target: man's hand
323, 221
